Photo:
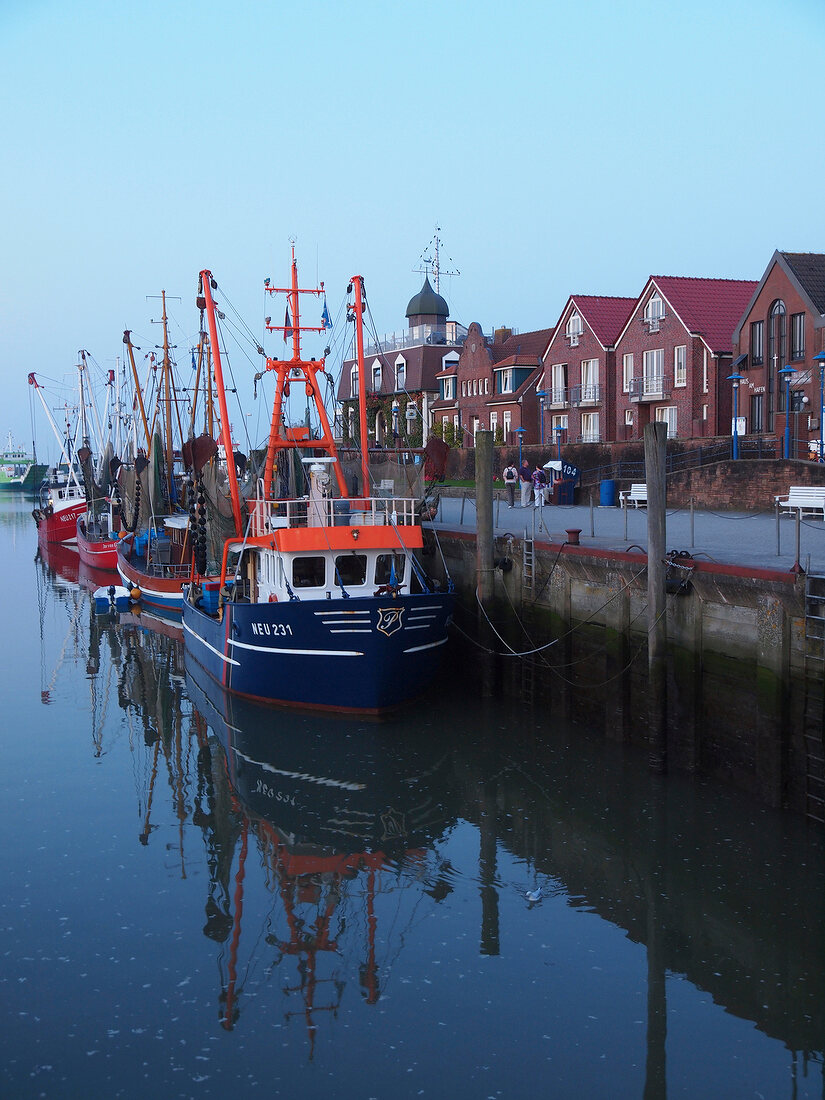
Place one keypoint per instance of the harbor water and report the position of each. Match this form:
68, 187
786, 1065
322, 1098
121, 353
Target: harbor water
473, 898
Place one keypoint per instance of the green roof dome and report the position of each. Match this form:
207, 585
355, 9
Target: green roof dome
426, 303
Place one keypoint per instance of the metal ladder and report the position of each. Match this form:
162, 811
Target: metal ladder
528, 586
813, 718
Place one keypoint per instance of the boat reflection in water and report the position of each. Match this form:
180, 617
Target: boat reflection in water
339, 814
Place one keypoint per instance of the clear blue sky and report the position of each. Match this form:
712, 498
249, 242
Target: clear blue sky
562, 149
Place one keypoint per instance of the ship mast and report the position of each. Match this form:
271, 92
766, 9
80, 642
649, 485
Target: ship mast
357, 284
297, 369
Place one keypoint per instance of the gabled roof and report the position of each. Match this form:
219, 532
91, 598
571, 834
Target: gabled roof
710, 308
806, 271
809, 270
605, 316
523, 345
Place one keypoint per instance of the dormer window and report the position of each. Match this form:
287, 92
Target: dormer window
353, 380
654, 313
376, 378
400, 373
574, 329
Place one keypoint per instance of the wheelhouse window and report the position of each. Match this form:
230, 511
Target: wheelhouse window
797, 336
350, 569
308, 572
757, 342
386, 565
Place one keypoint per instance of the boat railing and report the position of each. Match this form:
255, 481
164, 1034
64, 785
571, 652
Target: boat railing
269, 515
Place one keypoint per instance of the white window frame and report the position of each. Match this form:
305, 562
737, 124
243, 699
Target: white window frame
353, 381
377, 376
627, 371
463, 389
558, 386
574, 329
653, 371
486, 385
628, 417
449, 388
590, 380
654, 312
400, 373
590, 427
680, 365
704, 370
507, 421
507, 380
668, 415
475, 387
558, 420
493, 422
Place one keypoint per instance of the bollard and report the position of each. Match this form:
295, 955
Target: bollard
573, 535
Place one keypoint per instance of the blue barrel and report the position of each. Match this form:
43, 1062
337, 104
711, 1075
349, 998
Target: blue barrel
607, 494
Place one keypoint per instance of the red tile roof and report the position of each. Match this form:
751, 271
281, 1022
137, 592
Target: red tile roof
711, 307
524, 345
605, 316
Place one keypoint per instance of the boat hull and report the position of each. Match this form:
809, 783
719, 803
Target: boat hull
100, 553
158, 589
364, 655
26, 482
59, 525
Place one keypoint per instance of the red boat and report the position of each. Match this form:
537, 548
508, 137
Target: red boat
96, 542
62, 503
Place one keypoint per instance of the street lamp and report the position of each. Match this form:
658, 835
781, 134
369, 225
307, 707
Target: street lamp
541, 394
520, 433
788, 372
821, 360
559, 432
735, 379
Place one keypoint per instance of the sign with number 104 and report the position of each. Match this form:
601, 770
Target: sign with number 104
570, 472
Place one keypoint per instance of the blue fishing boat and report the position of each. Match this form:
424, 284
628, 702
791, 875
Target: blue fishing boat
322, 600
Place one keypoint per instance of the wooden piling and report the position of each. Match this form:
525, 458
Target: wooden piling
655, 469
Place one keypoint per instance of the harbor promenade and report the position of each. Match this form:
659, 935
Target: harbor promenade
751, 540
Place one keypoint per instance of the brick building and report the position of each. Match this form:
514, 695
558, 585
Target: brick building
493, 385
401, 373
674, 355
578, 381
783, 325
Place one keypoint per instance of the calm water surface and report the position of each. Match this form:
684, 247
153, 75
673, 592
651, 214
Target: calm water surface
206, 898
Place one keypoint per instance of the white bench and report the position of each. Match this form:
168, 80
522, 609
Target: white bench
808, 500
635, 495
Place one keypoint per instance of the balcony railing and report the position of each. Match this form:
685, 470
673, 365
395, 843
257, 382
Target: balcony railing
590, 437
451, 334
585, 395
557, 398
652, 387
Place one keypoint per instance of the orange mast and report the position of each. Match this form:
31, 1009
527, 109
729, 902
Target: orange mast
297, 369
206, 283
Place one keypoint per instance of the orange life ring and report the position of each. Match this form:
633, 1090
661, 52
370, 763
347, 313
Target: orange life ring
273, 598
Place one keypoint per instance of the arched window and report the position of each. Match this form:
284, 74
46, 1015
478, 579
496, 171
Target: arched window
776, 335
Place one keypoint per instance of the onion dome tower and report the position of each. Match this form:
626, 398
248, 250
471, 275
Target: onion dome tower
428, 308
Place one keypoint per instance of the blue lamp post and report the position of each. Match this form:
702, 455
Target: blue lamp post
788, 373
520, 432
541, 394
821, 360
735, 379
559, 432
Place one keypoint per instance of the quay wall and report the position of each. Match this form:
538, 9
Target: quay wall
741, 701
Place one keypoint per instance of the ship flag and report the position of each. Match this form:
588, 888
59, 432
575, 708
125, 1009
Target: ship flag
287, 325
325, 318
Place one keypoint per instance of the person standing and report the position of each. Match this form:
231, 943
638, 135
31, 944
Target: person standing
525, 482
539, 480
510, 480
